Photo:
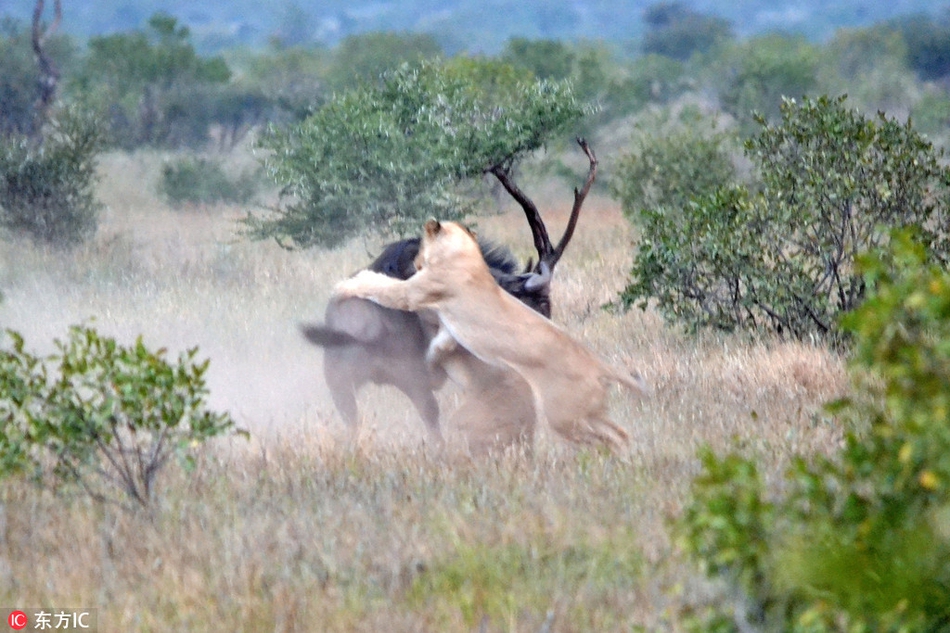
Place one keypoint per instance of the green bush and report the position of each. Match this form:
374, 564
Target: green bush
870, 66
365, 56
390, 154
754, 76
152, 84
47, 191
928, 44
101, 415
781, 256
859, 541
932, 114
651, 79
202, 181
676, 31
672, 162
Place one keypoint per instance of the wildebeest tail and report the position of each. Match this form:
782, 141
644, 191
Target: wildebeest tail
326, 337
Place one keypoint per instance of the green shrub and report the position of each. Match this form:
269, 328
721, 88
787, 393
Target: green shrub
101, 415
651, 79
670, 164
932, 113
676, 31
202, 181
781, 257
756, 75
859, 541
47, 191
152, 84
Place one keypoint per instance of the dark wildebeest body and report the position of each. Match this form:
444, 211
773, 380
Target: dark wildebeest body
367, 343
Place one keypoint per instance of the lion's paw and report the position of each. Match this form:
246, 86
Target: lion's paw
357, 285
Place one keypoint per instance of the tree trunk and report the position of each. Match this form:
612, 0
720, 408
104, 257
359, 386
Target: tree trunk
49, 74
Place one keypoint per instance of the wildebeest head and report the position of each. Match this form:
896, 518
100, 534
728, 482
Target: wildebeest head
531, 288
397, 259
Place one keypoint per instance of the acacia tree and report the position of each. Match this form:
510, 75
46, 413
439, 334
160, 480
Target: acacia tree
389, 154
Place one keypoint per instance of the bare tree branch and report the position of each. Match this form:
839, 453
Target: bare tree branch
542, 243
579, 197
49, 74
547, 252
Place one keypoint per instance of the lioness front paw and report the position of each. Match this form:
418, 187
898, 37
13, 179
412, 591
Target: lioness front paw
354, 286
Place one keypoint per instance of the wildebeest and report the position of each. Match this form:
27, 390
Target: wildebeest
366, 343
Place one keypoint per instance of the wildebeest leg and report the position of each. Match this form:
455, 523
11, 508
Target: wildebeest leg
425, 403
342, 390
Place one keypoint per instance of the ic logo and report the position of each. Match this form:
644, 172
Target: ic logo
17, 620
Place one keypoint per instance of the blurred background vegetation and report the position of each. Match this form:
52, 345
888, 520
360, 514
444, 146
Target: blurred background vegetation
188, 76
472, 25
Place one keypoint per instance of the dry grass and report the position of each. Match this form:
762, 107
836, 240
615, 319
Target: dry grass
298, 529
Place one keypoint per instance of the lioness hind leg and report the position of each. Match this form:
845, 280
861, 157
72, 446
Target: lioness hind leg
442, 345
497, 414
590, 428
596, 431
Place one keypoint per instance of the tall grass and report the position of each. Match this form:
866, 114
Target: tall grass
301, 529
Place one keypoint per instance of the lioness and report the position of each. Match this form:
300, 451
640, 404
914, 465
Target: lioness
568, 382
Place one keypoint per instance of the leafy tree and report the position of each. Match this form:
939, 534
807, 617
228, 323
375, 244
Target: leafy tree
592, 70
653, 79
47, 191
101, 415
389, 154
150, 82
671, 163
781, 257
295, 27
364, 57
293, 79
931, 114
859, 541
202, 181
678, 32
546, 59
855, 52
754, 76
928, 45
870, 66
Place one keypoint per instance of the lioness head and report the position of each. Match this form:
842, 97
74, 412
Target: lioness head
448, 241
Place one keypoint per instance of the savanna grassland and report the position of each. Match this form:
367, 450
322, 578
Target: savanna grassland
300, 529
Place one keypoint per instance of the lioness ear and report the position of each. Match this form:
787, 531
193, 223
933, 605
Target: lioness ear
432, 227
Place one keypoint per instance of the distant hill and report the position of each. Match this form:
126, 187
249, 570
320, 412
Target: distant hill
473, 25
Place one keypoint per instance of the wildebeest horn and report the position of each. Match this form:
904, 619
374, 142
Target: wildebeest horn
540, 279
